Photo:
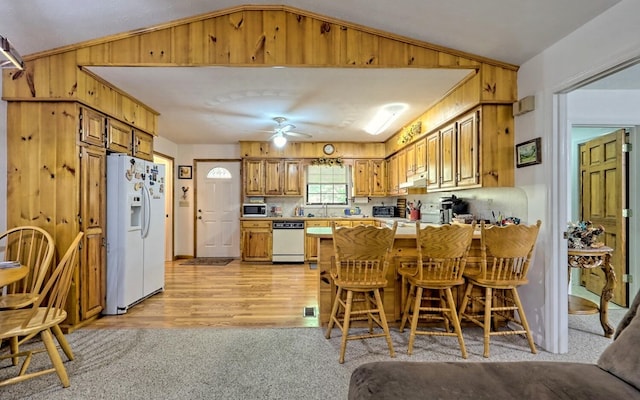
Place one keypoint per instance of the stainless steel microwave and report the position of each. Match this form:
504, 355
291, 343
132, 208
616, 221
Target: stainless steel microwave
254, 210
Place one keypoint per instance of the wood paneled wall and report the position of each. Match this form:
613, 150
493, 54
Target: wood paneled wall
252, 36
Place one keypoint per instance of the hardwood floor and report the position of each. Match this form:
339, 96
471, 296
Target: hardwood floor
236, 295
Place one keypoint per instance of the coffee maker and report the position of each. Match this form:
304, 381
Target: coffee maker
450, 206
446, 210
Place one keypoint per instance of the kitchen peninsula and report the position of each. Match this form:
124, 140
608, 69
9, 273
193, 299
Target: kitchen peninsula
404, 250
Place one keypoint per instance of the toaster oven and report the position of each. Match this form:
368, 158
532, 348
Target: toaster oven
385, 211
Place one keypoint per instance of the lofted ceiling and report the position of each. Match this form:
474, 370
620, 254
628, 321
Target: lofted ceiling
224, 105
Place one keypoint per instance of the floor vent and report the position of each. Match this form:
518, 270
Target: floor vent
309, 312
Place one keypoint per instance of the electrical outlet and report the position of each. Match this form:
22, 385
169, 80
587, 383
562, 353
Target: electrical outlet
489, 202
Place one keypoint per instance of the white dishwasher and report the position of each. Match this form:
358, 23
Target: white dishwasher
288, 241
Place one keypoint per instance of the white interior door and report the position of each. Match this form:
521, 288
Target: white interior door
218, 209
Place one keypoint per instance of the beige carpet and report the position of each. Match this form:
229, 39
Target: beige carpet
253, 363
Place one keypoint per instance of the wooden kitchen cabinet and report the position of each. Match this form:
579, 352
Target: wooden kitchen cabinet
392, 175
410, 160
402, 171
475, 150
293, 173
93, 191
369, 178
57, 181
467, 151
273, 177
257, 239
119, 136
92, 127
311, 243
452, 155
254, 177
420, 162
142, 145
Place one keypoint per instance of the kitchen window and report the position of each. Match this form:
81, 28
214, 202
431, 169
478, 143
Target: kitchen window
327, 184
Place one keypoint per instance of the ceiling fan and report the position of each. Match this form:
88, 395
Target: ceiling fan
282, 130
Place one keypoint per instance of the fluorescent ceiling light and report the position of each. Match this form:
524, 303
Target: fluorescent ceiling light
13, 59
279, 140
384, 117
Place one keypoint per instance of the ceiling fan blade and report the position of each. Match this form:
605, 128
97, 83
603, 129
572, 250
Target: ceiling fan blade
285, 128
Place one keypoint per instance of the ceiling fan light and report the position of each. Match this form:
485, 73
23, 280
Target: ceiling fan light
384, 117
279, 140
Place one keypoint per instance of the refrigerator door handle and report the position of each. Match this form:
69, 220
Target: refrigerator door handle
146, 210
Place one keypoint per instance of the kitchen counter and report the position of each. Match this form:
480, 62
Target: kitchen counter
404, 250
288, 218
405, 231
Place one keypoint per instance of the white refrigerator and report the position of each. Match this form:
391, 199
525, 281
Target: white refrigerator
135, 231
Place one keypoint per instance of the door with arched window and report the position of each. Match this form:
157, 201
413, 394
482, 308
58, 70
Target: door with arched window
217, 209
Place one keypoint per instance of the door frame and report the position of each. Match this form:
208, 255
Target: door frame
169, 185
195, 193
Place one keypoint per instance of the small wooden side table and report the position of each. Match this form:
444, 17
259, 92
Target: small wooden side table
587, 259
10, 275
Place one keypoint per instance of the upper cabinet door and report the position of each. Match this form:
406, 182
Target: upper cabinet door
468, 151
448, 156
119, 137
142, 145
293, 178
92, 129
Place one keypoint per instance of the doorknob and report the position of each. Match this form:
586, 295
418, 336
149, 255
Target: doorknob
200, 217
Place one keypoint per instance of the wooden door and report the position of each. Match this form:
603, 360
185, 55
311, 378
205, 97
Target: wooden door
217, 209
93, 223
433, 161
467, 151
603, 195
448, 156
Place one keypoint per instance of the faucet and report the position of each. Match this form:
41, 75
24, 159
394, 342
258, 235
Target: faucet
325, 208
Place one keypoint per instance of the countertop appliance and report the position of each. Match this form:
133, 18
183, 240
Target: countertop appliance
288, 241
384, 211
135, 231
254, 210
450, 206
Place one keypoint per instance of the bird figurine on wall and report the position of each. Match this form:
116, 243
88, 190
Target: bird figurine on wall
185, 189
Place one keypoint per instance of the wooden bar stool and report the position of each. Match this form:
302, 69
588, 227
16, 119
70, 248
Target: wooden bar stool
506, 254
359, 272
442, 253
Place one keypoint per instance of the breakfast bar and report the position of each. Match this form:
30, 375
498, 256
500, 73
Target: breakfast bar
404, 250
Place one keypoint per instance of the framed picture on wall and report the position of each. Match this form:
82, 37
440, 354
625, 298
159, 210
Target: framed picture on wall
185, 171
528, 153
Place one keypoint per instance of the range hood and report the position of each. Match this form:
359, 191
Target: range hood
416, 181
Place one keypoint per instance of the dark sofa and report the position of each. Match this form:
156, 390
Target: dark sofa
616, 375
